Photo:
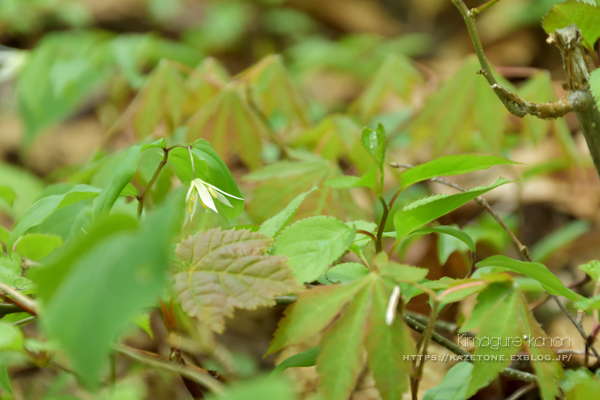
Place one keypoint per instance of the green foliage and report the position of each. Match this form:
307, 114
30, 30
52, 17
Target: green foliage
36, 246
11, 337
223, 270
582, 14
346, 272
313, 244
454, 386
423, 211
307, 358
580, 384
595, 85
537, 271
122, 273
558, 240
274, 225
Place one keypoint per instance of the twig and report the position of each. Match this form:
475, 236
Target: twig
425, 339
18, 299
522, 248
519, 393
484, 7
369, 234
142, 197
384, 216
197, 374
439, 339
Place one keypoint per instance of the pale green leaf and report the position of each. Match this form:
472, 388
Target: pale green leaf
313, 244
584, 15
346, 272
272, 388
7, 194
537, 271
454, 385
592, 268
4, 378
342, 346
558, 240
11, 337
595, 85
450, 165
423, 211
311, 313
307, 358
275, 224
36, 246
375, 142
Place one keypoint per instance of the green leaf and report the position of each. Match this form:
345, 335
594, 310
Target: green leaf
342, 346
448, 230
229, 269
231, 126
537, 271
7, 194
454, 386
423, 211
584, 15
4, 235
580, 384
36, 246
317, 308
112, 282
346, 272
11, 337
399, 272
592, 268
374, 141
559, 239
307, 358
336, 137
506, 326
44, 207
461, 289
281, 182
273, 226
4, 378
119, 180
386, 347
368, 180
313, 244
51, 276
272, 388
450, 165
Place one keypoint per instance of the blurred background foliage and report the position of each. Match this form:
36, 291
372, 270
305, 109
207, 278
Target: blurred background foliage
282, 90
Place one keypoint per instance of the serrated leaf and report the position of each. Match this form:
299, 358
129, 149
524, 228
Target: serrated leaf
307, 358
537, 271
335, 137
592, 268
386, 347
580, 384
36, 246
42, 209
281, 182
584, 15
317, 308
368, 180
126, 271
231, 126
375, 142
595, 85
313, 244
226, 270
396, 77
275, 92
454, 386
506, 326
275, 224
423, 211
346, 272
401, 272
450, 165
342, 345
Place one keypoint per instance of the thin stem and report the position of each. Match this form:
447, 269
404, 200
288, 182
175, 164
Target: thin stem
483, 7
369, 234
522, 391
24, 321
142, 197
425, 339
113, 372
384, 217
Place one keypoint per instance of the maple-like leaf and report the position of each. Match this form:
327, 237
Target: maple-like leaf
229, 269
353, 317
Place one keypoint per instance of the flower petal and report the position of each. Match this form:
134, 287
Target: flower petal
206, 198
222, 191
223, 200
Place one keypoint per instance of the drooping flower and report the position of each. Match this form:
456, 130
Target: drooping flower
205, 193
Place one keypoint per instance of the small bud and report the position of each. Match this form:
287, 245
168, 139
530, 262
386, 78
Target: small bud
390, 313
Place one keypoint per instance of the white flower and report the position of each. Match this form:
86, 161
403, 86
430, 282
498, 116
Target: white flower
11, 61
206, 193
